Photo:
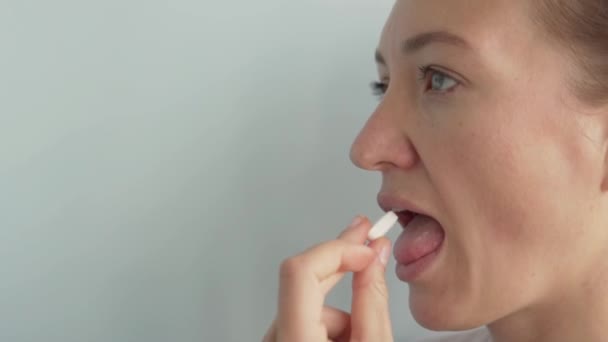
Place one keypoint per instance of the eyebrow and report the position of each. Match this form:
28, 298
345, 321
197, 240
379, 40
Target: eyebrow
420, 41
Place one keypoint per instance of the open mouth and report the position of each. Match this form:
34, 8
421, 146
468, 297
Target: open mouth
405, 217
417, 245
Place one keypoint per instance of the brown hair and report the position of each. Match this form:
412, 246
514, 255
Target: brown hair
582, 27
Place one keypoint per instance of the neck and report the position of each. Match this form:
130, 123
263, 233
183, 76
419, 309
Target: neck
578, 315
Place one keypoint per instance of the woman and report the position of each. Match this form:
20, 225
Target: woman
493, 128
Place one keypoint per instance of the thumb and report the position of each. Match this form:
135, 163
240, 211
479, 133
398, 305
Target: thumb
370, 318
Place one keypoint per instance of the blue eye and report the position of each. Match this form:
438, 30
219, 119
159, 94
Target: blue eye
441, 82
378, 89
438, 82
435, 81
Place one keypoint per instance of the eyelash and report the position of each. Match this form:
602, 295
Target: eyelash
379, 88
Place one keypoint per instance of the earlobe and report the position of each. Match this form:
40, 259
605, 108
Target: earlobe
604, 185
596, 132
602, 145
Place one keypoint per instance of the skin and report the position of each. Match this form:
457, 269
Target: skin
493, 144
306, 278
508, 160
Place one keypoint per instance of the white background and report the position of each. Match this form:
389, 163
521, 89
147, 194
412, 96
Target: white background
158, 160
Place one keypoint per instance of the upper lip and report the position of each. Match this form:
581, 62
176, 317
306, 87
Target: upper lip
388, 202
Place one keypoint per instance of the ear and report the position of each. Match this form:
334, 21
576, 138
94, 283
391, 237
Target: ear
604, 186
603, 146
593, 124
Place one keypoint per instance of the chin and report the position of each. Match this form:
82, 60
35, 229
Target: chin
432, 314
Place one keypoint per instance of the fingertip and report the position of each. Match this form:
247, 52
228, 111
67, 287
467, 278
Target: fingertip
366, 250
361, 221
382, 249
379, 243
366, 221
358, 258
357, 231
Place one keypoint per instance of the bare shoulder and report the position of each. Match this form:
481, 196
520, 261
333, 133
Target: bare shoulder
477, 335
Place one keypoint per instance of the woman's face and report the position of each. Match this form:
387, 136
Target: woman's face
479, 127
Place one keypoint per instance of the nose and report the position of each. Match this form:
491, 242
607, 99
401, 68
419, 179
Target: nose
383, 142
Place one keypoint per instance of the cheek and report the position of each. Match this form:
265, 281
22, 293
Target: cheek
489, 176
502, 191
503, 184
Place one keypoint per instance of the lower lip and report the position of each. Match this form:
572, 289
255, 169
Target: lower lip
414, 269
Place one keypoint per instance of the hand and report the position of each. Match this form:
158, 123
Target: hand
305, 280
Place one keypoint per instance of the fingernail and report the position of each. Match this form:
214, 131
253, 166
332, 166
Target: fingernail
356, 221
384, 254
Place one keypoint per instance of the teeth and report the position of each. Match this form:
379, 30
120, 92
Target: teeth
405, 212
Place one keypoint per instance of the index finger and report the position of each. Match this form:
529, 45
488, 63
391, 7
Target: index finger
300, 290
355, 233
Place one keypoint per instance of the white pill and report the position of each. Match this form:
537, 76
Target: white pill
384, 224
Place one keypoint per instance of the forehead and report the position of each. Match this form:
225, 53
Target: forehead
483, 23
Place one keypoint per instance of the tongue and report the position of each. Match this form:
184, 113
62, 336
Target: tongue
422, 236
